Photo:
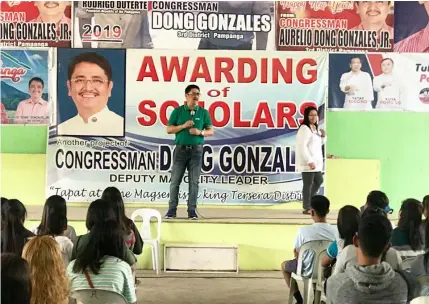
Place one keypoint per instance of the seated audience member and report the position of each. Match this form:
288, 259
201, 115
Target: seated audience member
320, 230
377, 199
92, 216
349, 254
347, 223
99, 263
425, 217
131, 233
406, 237
15, 280
371, 280
48, 272
420, 266
55, 204
13, 233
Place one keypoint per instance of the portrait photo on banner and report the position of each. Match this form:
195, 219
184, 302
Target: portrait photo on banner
90, 92
378, 81
24, 87
412, 27
215, 25
36, 24
335, 25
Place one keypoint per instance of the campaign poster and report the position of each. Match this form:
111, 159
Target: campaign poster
90, 93
213, 25
35, 24
25, 87
378, 82
334, 26
412, 26
256, 102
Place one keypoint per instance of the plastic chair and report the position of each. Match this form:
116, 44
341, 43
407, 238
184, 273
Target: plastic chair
320, 284
97, 296
145, 232
420, 300
406, 264
316, 247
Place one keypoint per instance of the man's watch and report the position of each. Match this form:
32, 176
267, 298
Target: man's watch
202, 133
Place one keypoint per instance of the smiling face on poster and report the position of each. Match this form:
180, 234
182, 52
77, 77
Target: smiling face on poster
24, 86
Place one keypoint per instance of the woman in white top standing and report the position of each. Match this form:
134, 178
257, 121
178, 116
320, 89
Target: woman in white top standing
309, 156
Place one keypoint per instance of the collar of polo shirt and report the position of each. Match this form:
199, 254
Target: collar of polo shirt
187, 108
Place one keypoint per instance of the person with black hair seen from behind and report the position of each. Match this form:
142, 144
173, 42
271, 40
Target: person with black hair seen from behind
190, 124
425, 219
347, 222
309, 156
377, 199
13, 233
320, 230
406, 237
371, 280
99, 263
349, 254
420, 266
56, 206
95, 212
15, 280
132, 235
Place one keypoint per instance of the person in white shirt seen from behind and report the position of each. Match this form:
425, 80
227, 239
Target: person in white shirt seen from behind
357, 86
387, 87
90, 85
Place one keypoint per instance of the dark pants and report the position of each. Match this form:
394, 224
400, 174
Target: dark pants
311, 184
205, 44
185, 157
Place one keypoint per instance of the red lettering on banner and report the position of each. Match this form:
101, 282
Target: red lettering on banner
286, 112
310, 72
224, 66
263, 116
163, 110
225, 69
168, 69
201, 64
226, 114
148, 112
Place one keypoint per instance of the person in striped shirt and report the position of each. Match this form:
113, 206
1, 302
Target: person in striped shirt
99, 265
418, 42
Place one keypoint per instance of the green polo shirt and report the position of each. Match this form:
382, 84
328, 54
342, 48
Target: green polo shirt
201, 120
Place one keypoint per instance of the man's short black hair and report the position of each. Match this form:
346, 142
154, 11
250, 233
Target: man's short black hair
320, 204
374, 234
385, 59
38, 79
90, 57
190, 87
377, 199
355, 57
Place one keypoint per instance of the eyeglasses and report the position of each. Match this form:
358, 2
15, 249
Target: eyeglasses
194, 94
95, 82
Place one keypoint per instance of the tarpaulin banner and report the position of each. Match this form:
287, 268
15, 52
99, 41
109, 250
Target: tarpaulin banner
334, 25
412, 26
25, 86
255, 100
35, 24
224, 25
379, 82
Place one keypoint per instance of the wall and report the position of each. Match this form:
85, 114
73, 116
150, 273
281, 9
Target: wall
399, 140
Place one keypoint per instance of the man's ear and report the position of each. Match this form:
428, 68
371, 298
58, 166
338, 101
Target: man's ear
68, 87
312, 213
356, 241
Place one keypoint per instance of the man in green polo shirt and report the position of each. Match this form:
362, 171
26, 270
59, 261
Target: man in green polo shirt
190, 123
